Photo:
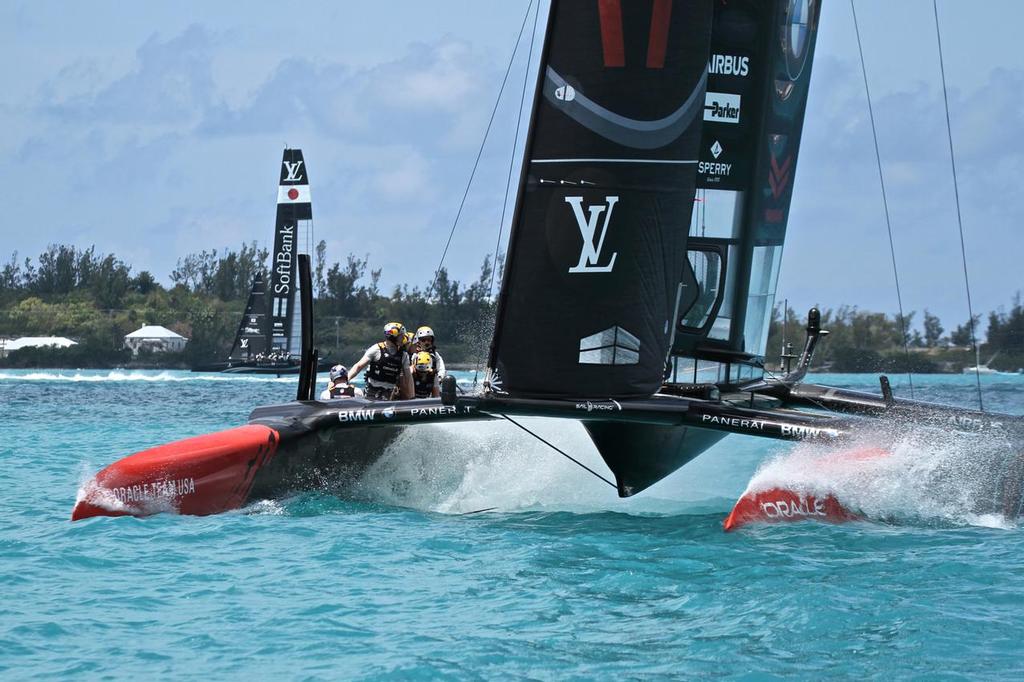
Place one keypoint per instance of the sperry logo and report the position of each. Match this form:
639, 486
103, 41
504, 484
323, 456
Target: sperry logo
593, 234
292, 171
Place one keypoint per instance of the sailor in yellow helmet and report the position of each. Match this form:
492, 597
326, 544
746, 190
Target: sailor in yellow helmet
389, 373
425, 381
425, 344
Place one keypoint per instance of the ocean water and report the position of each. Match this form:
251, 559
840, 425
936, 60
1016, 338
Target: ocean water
560, 580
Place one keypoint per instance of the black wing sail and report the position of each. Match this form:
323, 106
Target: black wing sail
251, 339
599, 234
759, 73
293, 205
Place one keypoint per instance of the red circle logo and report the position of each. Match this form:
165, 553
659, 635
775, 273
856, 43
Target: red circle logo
293, 194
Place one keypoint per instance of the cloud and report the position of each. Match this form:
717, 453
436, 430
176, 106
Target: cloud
171, 84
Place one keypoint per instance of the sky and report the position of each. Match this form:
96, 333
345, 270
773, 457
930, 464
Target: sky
152, 130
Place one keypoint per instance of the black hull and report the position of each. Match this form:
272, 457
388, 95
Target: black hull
244, 367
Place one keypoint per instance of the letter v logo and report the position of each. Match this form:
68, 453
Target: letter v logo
593, 238
292, 169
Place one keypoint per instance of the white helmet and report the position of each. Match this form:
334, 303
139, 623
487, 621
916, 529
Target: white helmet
424, 332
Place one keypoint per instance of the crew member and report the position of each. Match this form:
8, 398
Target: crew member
424, 377
425, 344
389, 375
338, 386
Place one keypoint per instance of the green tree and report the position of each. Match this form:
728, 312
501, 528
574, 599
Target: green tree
932, 330
961, 336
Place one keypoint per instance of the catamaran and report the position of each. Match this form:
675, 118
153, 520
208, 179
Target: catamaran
267, 340
646, 244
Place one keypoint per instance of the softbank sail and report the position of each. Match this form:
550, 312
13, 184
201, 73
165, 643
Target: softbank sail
268, 337
652, 314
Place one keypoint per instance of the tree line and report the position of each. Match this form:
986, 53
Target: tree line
864, 341
96, 299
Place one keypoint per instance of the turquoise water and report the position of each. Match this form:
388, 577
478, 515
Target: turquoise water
562, 580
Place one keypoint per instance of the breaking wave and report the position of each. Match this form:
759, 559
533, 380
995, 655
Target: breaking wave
905, 475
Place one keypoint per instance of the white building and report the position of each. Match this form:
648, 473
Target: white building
155, 339
11, 345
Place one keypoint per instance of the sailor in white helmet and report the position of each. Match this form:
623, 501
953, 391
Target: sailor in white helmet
338, 386
389, 376
425, 344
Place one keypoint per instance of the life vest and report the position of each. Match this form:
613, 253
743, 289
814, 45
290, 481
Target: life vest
387, 370
345, 391
423, 383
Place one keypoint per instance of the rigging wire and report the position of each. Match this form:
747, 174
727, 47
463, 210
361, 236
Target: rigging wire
511, 164
885, 202
512, 157
959, 219
480, 152
561, 452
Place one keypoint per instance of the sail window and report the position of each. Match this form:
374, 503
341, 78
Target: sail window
717, 214
707, 269
764, 274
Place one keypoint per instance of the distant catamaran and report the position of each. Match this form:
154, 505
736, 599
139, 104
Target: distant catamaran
268, 337
622, 306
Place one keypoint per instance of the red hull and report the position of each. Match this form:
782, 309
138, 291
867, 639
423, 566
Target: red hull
202, 475
776, 504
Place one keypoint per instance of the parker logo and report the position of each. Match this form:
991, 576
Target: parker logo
722, 107
593, 234
293, 171
728, 65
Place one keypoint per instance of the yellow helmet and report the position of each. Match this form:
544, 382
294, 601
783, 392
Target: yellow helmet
395, 331
424, 362
409, 336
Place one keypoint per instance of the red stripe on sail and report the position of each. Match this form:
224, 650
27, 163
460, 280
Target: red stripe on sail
610, 12
658, 40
